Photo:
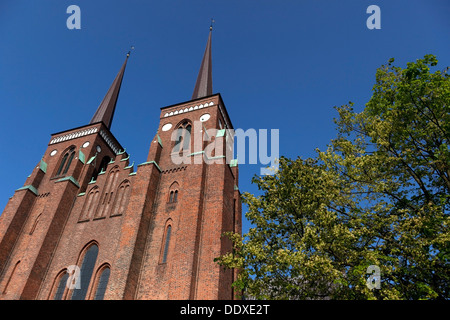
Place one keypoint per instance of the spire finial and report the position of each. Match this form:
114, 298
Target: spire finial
211, 26
203, 85
129, 52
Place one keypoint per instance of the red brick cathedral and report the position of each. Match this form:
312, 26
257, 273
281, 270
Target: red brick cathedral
88, 225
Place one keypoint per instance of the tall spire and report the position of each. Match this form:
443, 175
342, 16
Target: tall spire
105, 110
203, 86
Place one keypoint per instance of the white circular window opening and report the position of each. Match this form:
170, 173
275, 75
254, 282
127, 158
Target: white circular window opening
166, 127
205, 117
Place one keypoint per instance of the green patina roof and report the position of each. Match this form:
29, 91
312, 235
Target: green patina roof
71, 179
233, 163
91, 159
43, 166
149, 162
31, 188
81, 157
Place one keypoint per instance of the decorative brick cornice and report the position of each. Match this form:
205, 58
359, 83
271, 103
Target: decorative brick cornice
114, 147
172, 170
188, 109
74, 135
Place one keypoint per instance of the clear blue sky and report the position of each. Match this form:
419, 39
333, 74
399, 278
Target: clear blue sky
278, 65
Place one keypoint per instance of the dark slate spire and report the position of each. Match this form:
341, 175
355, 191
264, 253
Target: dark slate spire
105, 110
203, 86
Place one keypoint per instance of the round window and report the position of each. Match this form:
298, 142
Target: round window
205, 117
166, 127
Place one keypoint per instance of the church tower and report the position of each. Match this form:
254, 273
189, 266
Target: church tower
87, 225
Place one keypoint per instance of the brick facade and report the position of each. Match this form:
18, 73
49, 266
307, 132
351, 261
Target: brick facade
100, 199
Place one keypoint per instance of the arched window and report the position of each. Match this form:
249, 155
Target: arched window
166, 243
87, 268
69, 162
102, 284
173, 196
183, 135
178, 139
66, 162
187, 137
62, 284
63, 162
173, 192
102, 167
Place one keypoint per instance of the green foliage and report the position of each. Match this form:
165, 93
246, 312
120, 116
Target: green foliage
379, 195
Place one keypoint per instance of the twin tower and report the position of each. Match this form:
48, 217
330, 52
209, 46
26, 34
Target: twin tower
88, 225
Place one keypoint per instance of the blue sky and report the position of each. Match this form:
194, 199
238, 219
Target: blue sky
277, 64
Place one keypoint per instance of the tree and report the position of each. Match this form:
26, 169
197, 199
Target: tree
378, 196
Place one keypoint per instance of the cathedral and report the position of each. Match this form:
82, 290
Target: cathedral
90, 225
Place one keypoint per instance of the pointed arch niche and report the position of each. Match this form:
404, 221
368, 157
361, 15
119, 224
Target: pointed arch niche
35, 223
122, 197
91, 204
13, 273
108, 195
